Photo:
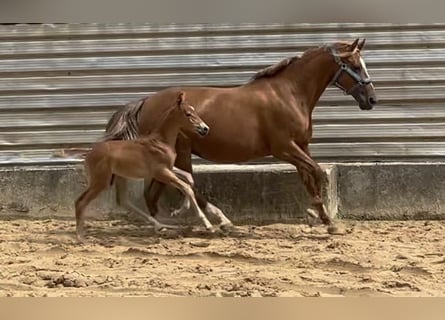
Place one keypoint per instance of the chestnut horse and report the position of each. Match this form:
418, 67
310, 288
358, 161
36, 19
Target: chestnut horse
147, 157
269, 115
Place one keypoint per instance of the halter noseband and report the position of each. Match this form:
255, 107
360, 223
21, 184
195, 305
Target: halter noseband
344, 67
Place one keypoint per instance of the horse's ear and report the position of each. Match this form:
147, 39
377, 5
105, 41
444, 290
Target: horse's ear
354, 45
361, 44
181, 98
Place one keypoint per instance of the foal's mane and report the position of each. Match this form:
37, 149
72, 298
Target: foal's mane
166, 112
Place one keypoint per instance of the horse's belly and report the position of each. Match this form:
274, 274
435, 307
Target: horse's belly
228, 151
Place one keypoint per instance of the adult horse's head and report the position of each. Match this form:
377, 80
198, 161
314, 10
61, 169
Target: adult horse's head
352, 76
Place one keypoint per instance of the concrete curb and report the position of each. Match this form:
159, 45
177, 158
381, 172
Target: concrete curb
255, 194
248, 194
391, 191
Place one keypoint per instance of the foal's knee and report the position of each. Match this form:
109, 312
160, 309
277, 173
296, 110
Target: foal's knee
188, 190
189, 179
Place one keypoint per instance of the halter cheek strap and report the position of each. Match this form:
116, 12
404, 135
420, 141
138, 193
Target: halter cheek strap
344, 67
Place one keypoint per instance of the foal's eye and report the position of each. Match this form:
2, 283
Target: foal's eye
188, 114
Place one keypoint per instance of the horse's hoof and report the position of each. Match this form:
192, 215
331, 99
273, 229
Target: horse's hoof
228, 227
336, 230
312, 222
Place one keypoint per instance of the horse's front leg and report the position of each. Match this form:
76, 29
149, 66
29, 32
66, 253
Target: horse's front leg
312, 176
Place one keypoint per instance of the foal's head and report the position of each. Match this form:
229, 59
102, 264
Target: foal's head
352, 76
189, 118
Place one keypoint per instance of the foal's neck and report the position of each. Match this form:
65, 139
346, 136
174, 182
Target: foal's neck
168, 128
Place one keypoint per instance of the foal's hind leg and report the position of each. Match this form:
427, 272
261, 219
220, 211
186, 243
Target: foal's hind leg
123, 200
93, 190
169, 178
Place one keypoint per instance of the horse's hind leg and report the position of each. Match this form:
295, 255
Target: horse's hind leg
169, 178
152, 191
123, 200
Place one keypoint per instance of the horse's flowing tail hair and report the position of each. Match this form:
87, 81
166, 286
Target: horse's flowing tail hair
123, 124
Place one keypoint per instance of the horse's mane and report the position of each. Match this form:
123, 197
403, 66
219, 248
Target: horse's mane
274, 69
278, 67
123, 124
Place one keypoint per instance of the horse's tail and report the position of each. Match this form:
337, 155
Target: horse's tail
123, 124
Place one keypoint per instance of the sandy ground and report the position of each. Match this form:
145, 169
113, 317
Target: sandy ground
43, 258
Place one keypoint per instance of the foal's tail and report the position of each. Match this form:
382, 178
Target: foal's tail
123, 124
65, 153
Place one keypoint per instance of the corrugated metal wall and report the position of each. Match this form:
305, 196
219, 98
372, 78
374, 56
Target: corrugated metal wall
59, 84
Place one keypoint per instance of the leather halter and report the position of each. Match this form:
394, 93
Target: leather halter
344, 67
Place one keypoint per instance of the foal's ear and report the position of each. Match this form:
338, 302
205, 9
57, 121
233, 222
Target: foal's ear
361, 44
354, 45
181, 98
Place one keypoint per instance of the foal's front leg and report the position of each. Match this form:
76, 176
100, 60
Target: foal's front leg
184, 161
123, 200
187, 177
169, 178
155, 189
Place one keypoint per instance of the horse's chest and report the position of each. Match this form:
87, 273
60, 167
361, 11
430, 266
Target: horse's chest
299, 124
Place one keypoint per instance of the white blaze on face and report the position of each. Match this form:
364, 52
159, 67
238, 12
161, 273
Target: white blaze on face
362, 62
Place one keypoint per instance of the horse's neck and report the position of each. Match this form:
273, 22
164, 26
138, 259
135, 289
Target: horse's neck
311, 76
168, 129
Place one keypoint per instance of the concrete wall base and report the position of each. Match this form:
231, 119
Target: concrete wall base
248, 194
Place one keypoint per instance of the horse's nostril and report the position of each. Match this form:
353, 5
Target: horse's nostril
205, 129
372, 100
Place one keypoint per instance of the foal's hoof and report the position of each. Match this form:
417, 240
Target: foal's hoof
81, 239
211, 229
80, 236
337, 230
177, 212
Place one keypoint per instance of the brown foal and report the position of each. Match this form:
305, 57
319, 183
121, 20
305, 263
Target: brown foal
149, 157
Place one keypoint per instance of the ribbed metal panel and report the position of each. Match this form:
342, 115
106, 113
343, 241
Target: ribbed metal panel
60, 83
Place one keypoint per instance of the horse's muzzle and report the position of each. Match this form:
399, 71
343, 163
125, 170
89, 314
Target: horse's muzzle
203, 130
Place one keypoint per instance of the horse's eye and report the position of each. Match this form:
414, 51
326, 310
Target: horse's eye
188, 114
